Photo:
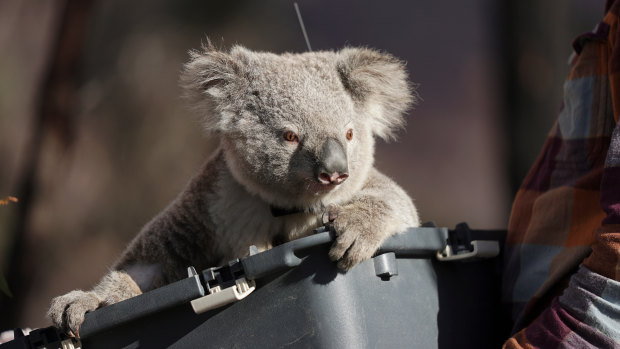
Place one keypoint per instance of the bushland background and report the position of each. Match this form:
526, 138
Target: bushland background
95, 140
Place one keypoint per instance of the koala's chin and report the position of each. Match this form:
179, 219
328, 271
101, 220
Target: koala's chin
295, 131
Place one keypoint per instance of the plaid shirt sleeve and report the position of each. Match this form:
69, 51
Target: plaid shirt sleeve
562, 262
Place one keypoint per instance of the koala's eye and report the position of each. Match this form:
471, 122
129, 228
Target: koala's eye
349, 134
290, 136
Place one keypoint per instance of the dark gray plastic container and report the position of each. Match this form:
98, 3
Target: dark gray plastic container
303, 301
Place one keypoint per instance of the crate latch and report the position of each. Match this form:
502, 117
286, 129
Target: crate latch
460, 246
224, 285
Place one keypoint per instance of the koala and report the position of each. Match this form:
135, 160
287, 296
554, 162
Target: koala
296, 137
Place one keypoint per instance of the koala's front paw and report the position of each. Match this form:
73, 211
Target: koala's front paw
359, 234
67, 312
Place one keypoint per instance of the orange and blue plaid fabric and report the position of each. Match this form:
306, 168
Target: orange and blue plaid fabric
562, 262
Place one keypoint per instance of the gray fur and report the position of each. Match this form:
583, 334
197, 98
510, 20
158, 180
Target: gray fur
248, 100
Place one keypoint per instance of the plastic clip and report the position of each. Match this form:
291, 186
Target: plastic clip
226, 296
460, 246
225, 285
71, 343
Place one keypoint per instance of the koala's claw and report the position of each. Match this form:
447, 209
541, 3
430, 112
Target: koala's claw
329, 215
341, 246
352, 248
67, 312
356, 241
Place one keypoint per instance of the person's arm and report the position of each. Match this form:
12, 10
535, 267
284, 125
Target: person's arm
587, 313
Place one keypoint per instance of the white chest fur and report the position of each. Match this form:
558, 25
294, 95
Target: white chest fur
241, 219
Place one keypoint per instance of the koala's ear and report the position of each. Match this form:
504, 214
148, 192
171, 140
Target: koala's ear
212, 79
379, 83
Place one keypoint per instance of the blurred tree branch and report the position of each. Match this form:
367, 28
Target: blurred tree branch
4, 287
55, 104
8, 199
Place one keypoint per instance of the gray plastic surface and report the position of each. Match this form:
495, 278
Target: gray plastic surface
428, 305
309, 303
386, 265
414, 242
282, 257
142, 305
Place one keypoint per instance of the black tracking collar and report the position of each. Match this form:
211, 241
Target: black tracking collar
280, 211
277, 211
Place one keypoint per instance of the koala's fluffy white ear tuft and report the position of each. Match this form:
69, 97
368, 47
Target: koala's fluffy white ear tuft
379, 82
210, 79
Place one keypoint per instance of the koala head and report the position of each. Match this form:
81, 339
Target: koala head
298, 129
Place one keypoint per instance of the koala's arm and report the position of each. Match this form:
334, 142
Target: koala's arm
67, 311
159, 255
379, 210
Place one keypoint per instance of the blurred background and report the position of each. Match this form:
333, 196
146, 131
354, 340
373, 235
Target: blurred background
95, 139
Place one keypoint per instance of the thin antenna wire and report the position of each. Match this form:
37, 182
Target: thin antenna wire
303, 28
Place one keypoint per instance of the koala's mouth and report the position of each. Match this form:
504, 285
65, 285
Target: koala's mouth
318, 188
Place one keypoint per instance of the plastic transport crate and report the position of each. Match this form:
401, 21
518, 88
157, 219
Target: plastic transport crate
427, 287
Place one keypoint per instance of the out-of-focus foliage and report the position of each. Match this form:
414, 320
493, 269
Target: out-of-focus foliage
4, 287
7, 200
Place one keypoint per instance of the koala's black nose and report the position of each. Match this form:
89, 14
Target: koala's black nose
333, 167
